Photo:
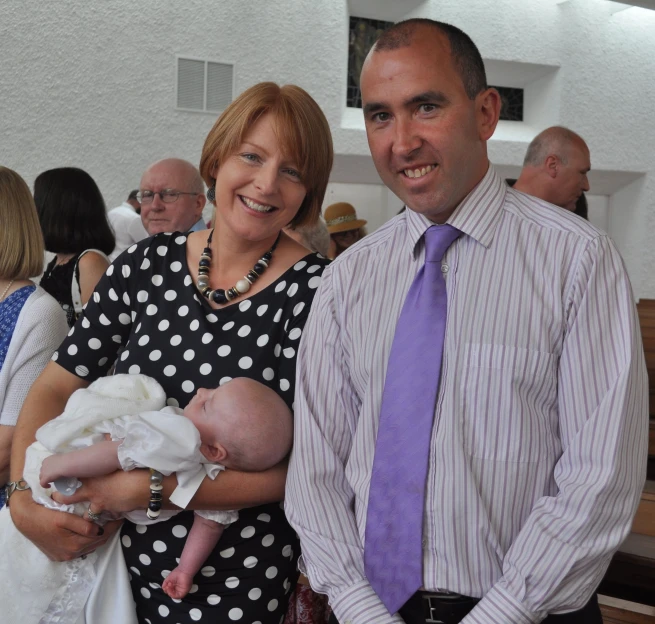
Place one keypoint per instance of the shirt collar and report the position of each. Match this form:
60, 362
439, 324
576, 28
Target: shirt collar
476, 216
198, 226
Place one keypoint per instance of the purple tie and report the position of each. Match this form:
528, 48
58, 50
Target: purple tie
393, 550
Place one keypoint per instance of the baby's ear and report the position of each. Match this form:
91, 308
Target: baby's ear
215, 454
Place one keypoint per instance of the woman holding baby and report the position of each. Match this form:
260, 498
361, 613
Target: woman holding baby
194, 311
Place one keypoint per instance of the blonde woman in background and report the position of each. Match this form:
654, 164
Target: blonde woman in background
31, 322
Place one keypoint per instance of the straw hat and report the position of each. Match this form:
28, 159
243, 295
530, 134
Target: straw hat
341, 217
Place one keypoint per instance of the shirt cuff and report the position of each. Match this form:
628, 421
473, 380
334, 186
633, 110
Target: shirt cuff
188, 484
359, 604
500, 607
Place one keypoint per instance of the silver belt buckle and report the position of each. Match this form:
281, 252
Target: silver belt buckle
431, 619
441, 597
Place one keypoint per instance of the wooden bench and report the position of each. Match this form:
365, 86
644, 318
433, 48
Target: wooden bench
646, 312
631, 575
644, 522
624, 612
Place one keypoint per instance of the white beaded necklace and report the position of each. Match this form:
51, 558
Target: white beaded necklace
6, 290
219, 295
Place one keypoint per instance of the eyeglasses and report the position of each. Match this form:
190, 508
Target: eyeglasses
168, 196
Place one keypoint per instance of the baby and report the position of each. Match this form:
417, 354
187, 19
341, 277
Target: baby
242, 425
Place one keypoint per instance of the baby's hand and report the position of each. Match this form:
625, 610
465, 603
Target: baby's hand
49, 472
177, 584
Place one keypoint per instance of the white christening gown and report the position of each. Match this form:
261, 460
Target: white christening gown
96, 589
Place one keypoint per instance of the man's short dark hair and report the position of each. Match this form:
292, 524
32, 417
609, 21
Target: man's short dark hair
133, 194
466, 56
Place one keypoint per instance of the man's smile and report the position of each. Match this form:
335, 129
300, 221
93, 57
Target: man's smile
418, 172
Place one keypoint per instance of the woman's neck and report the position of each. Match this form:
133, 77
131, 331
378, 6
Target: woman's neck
63, 258
231, 254
8, 286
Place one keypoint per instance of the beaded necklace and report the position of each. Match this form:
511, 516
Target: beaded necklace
6, 290
241, 287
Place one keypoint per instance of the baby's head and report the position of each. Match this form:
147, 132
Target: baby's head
243, 424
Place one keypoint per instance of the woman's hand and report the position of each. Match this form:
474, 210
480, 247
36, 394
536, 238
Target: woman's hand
116, 493
59, 535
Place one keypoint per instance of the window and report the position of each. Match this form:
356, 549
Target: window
204, 86
364, 32
511, 108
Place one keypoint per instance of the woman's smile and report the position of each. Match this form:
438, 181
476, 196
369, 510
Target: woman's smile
256, 206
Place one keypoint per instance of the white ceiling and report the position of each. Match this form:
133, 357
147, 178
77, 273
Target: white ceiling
646, 4
385, 10
515, 74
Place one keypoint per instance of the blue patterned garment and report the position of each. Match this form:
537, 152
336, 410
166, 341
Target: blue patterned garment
9, 310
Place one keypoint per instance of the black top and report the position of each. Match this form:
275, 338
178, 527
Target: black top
57, 281
147, 303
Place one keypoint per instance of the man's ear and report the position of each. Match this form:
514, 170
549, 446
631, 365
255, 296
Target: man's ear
214, 453
488, 105
200, 203
552, 165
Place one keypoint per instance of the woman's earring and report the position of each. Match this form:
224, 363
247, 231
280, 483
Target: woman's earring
211, 194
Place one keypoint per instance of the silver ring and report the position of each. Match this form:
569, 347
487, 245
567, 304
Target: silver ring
94, 517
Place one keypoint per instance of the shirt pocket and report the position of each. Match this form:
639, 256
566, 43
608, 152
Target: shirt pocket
509, 403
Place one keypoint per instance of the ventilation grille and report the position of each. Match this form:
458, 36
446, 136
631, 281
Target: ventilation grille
204, 86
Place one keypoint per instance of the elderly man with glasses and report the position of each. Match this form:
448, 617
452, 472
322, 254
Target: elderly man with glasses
125, 220
172, 197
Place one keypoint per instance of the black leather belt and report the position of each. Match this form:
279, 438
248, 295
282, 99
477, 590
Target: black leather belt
437, 608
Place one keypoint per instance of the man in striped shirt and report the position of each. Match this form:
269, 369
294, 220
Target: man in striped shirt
538, 444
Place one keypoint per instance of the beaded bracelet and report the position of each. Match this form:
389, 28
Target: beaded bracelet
154, 506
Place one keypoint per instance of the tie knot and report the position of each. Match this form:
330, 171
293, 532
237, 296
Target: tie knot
437, 239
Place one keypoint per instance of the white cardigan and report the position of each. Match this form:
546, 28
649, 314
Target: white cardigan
40, 329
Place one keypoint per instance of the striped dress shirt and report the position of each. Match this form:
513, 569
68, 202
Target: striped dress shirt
538, 448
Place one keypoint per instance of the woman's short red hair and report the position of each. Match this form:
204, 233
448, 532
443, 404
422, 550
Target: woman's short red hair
302, 129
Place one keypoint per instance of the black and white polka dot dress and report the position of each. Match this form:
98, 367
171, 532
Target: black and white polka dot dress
147, 305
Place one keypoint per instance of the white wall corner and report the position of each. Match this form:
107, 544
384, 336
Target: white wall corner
628, 229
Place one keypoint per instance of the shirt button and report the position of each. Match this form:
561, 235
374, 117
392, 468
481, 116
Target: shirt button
444, 268
424, 541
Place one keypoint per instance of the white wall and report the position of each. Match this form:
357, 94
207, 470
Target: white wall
92, 85
599, 211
